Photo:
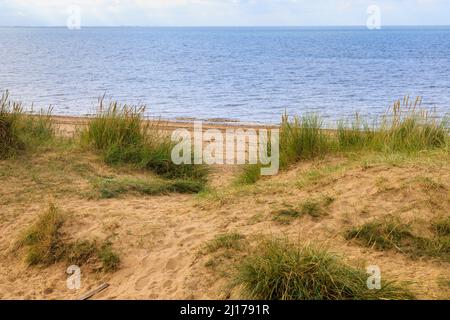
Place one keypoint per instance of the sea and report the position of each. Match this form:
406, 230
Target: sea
240, 74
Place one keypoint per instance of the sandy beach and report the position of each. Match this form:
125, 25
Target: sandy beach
161, 239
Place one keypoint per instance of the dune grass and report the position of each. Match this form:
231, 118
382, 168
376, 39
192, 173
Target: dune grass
250, 174
277, 270
302, 138
313, 207
43, 239
112, 188
392, 234
442, 226
45, 244
230, 240
123, 137
21, 131
406, 128
287, 215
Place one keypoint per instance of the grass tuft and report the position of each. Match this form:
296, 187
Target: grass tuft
109, 258
383, 234
442, 227
21, 131
250, 174
405, 128
277, 270
390, 233
302, 138
43, 239
286, 216
123, 137
112, 188
315, 208
225, 241
44, 245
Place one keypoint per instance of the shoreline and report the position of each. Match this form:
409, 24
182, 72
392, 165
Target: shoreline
67, 125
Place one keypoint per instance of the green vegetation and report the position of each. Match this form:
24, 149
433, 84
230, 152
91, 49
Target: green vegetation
315, 208
286, 216
442, 227
405, 128
111, 188
108, 257
44, 244
302, 138
123, 137
225, 241
391, 234
43, 239
277, 270
21, 131
251, 173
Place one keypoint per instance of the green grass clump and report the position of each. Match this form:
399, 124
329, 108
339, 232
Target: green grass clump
277, 270
302, 138
442, 226
123, 137
250, 174
43, 239
111, 188
80, 252
315, 208
383, 234
109, 258
406, 127
286, 216
116, 126
390, 233
21, 131
225, 241
44, 245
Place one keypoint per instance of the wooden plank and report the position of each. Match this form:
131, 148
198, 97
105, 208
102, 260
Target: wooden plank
93, 292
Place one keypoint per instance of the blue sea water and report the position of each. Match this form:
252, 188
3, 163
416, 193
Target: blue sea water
245, 74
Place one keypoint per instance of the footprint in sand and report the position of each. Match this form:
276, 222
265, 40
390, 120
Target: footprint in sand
172, 264
188, 230
141, 283
167, 284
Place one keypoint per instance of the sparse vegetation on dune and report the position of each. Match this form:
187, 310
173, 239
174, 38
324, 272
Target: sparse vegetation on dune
123, 137
392, 234
405, 128
111, 188
313, 207
337, 178
277, 270
43, 239
19, 130
250, 174
44, 244
225, 241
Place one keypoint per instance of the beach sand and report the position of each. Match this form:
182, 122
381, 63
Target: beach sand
161, 239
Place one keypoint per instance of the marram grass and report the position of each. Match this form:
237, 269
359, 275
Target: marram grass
122, 135
277, 270
20, 130
405, 128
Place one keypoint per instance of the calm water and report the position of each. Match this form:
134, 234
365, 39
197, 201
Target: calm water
246, 74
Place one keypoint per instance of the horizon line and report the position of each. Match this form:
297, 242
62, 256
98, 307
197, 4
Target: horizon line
225, 26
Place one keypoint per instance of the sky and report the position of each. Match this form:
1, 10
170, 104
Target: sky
222, 12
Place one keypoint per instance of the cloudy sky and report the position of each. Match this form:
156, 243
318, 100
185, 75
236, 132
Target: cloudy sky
223, 12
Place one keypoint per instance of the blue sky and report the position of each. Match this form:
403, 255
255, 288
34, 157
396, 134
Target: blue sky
223, 12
